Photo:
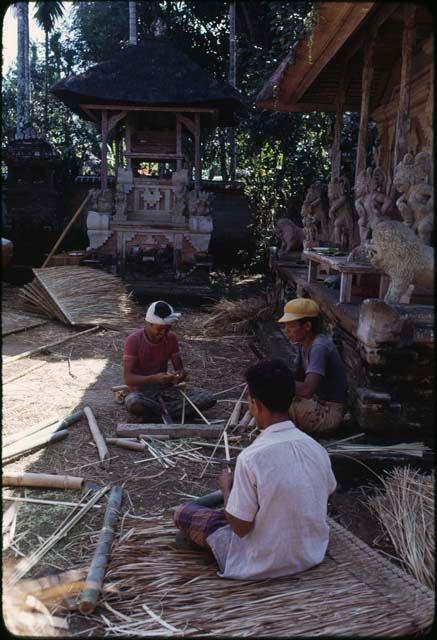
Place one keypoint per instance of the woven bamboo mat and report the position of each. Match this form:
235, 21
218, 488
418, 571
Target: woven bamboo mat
16, 321
154, 589
79, 296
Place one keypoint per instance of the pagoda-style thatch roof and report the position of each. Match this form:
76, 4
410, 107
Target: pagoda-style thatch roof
153, 73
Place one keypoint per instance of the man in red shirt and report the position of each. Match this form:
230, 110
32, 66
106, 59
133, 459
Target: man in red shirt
145, 361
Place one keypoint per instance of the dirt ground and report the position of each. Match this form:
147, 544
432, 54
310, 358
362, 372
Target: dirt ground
80, 373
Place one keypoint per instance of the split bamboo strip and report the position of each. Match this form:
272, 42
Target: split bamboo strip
56, 503
126, 430
244, 422
24, 373
252, 423
184, 395
97, 436
220, 446
69, 225
32, 442
235, 415
27, 563
22, 479
167, 455
94, 581
26, 354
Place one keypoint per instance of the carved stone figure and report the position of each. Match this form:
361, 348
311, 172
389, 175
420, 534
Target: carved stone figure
199, 204
413, 180
120, 203
179, 180
340, 213
398, 252
291, 237
104, 201
314, 215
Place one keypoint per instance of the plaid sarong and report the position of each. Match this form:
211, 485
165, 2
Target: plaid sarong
198, 522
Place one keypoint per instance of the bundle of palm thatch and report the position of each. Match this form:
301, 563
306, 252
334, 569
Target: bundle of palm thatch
237, 316
405, 508
79, 296
152, 589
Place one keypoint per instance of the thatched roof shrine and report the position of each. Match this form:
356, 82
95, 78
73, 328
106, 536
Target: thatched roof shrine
153, 73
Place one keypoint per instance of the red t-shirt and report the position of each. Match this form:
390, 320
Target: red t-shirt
149, 357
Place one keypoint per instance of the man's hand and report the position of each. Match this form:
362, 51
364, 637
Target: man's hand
226, 478
165, 378
180, 376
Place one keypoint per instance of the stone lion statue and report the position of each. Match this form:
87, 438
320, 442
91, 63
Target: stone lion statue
398, 252
291, 237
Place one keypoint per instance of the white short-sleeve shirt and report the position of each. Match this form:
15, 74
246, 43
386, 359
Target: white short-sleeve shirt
283, 481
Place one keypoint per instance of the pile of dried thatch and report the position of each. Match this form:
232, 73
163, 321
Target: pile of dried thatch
405, 508
237, 316
154, 589
79, 296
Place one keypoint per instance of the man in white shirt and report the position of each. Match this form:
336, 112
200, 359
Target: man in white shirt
274, 521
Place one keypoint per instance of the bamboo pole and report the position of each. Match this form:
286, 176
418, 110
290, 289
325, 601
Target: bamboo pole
49, 346
58, 425
121, 442
35, 441
94, 580
66, 230
97, 436
23, 479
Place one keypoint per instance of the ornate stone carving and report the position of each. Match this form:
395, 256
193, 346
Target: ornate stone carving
398, 252
180, 181
314, 215
413, 180
120, 204
340, 213
104, 201
97, 228
291, 237
199, 203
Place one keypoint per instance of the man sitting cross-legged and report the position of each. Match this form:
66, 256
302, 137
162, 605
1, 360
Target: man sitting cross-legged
274, 521
145, 361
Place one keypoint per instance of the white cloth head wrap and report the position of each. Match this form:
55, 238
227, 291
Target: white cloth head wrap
154, 319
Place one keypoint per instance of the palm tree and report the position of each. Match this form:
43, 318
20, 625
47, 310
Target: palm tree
46, 14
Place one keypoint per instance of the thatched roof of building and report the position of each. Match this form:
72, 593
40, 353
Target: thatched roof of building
153, 73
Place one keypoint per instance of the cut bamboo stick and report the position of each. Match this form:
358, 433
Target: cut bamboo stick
58, 503
252, 423
184, 395
32, 442
58, 425
94, 581
64, 233
131, 444
49, 346
235, 415
244, 422
97, 436
120, 387
23, 479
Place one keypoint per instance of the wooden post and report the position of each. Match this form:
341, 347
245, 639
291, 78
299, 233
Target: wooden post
178, 143
128, 143
336, 145
366, 82
197, 158
104, 156
94, 581
403, 119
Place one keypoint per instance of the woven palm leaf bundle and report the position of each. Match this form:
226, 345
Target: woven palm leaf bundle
237, 316
79, 296
405, 508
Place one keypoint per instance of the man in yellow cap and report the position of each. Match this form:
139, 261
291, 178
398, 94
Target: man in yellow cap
321, 385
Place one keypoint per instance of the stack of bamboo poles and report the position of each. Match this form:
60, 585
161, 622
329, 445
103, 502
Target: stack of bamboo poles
79, 296
405, 508
237, 316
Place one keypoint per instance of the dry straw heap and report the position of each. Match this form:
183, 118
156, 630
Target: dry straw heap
405, 508
237, 316
79, 296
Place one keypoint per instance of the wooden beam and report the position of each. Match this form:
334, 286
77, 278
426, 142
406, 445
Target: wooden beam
104, 151
124, 107
114, 119
197, 158
188, 123
90, 114
366, 82
402, 122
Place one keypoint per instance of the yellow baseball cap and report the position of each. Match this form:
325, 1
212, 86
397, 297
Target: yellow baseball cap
300, 308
